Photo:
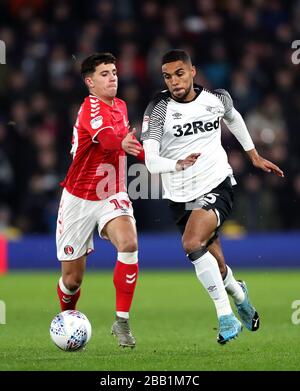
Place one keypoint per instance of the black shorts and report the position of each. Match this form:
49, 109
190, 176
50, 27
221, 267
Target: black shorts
219, 199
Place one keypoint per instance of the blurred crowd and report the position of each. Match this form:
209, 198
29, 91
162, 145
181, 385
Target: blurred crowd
242, 46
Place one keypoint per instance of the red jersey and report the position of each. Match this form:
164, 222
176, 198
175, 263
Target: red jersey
98, 167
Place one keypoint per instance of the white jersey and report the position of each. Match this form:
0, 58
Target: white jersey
184, 128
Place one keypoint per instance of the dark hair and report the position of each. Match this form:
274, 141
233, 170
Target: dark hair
89, 65
176, 55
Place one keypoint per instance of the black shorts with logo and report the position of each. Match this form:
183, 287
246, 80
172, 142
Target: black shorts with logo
219, 199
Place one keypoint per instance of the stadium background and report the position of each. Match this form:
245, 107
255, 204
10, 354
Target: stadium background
242, 46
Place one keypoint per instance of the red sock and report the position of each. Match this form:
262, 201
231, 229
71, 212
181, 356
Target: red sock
125, 277
67, 302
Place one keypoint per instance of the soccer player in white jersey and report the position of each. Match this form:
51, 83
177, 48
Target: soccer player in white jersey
182, 141
95, 195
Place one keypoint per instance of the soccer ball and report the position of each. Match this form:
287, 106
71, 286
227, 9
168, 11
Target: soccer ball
70, 330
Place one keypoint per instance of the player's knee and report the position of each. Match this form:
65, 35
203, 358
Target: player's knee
191, 244
72, 282
127, 244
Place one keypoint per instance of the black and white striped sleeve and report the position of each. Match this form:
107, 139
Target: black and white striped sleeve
226, 99
234, 120
154, 119
152, 132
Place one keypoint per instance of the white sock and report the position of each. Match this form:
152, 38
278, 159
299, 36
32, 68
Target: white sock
65, 290
208, 273
233, 288
124, 315
128, 258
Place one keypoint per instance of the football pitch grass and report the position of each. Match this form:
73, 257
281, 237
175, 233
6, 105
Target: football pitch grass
172, 318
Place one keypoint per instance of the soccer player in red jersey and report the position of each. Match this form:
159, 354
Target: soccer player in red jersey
95, 194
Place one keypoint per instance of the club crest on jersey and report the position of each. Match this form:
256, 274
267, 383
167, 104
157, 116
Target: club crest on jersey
145, 125
96, 122
69, 250
215, 110
177, 115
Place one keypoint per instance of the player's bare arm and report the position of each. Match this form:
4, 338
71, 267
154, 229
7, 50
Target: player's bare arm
267, 166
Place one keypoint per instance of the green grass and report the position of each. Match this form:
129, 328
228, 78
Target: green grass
173, 321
